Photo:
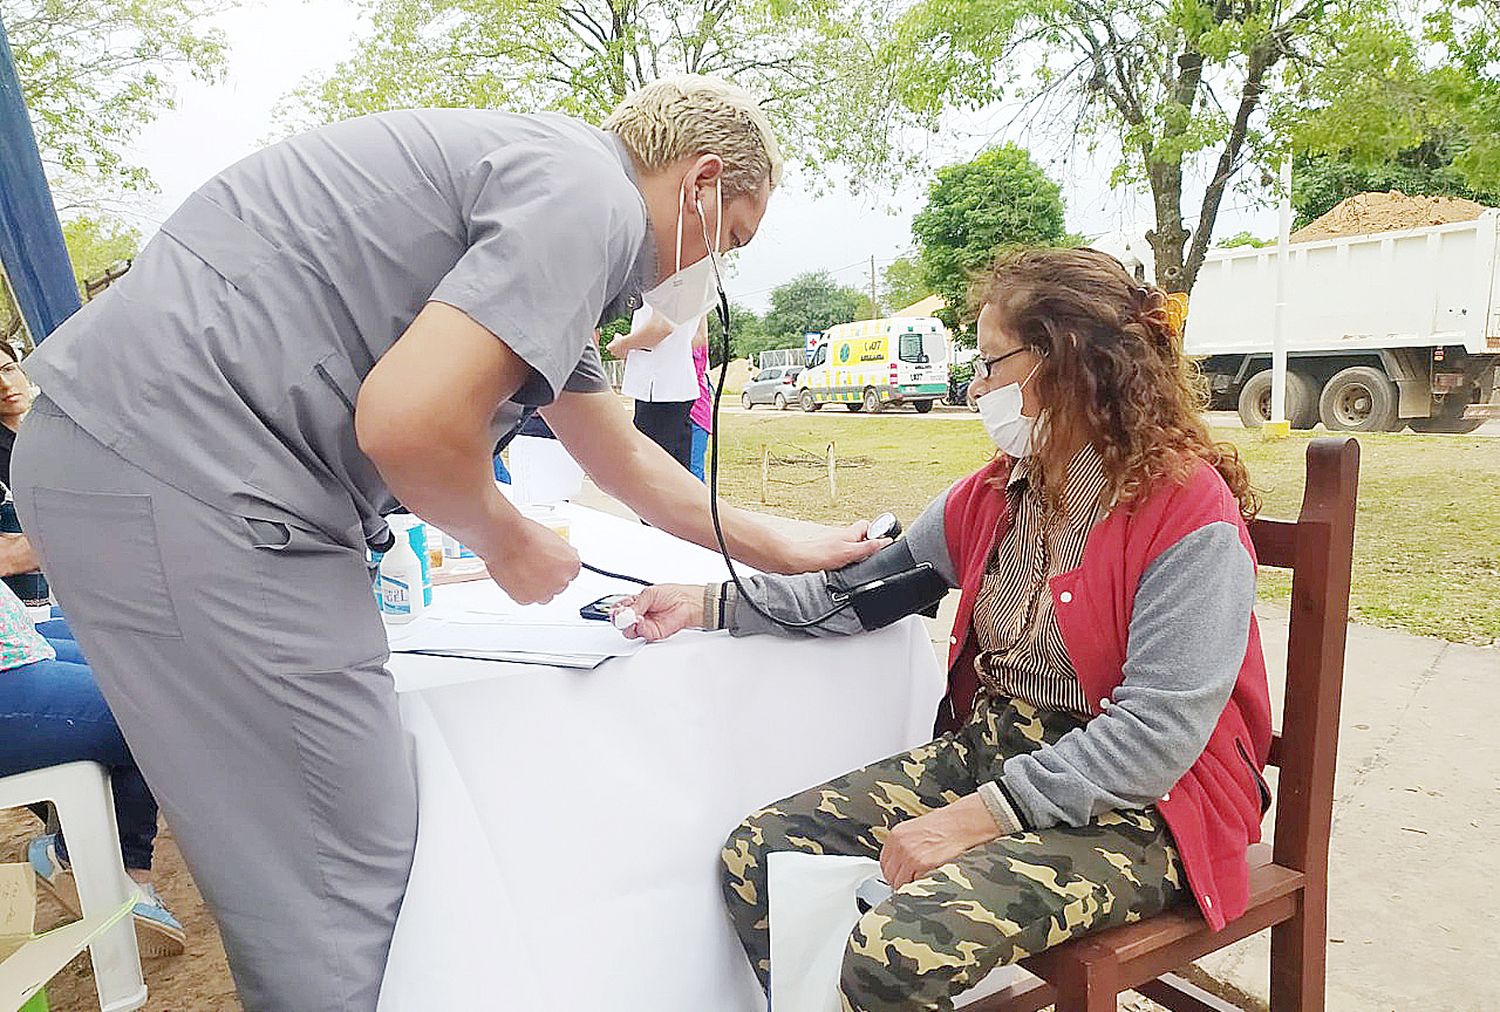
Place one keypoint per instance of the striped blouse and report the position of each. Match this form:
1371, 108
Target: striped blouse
1021, 652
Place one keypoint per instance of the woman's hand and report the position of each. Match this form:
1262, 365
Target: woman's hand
917, 846
665, 609
619, 346
830, 548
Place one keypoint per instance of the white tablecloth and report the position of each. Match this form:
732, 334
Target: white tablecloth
570, 822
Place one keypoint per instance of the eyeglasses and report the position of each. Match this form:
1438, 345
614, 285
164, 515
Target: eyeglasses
984, 366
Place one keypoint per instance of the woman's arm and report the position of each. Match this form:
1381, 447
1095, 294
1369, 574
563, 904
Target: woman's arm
1188, 634
665, 609
17, 555
653, 332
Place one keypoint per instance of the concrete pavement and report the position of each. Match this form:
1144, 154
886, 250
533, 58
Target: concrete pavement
1416, 833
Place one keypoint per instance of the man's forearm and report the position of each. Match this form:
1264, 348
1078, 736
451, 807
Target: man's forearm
666, 496
427, 430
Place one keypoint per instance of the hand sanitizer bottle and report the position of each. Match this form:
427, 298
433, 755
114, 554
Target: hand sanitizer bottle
401, 579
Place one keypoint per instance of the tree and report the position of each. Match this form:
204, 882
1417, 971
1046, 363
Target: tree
810, 303
747, 334
96, 243
903, 283
973, 209
1467, 85
811, 64
1244, 239
94, 72
1170, 84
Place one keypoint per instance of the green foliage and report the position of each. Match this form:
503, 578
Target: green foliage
1365, 100
1173, 86
808, 303
903, 283
1244, 239
1467, 86
810, 64
1321, 181
97, 243
1001, 198
1394, 109
94, 72
748, 337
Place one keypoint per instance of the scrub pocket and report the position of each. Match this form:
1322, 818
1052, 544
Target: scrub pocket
113, 539
317, 597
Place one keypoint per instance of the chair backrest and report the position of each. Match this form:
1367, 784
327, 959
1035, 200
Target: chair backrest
1319, 549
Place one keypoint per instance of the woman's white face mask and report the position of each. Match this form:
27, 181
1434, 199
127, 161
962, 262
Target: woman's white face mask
1000, 411
690, 292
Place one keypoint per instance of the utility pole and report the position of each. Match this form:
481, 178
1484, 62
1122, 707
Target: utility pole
874, 305
1279, 427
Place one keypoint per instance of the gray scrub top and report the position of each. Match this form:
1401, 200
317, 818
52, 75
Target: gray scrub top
227, 361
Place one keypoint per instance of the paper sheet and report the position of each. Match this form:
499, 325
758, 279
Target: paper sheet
508, 636
812, 911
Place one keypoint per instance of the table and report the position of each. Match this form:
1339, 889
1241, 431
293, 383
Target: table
570, 821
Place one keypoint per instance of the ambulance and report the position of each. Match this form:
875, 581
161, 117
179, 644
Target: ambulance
870, 364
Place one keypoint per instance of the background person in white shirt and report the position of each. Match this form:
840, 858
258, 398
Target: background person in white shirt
661, 377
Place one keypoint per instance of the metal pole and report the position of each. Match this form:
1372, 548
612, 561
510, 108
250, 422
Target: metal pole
31, 240
874, 307
1278, 327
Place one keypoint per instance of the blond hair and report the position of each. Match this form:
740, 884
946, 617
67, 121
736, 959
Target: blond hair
691, 115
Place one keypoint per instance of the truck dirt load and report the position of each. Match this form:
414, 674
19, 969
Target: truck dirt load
1367, 213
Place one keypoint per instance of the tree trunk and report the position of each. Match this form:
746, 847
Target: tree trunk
1168, 239
1262, 59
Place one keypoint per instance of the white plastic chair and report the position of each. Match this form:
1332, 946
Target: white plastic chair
86, 810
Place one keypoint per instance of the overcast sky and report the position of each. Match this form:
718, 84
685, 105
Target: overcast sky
274, 44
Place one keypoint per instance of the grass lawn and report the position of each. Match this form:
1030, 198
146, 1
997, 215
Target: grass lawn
1427, 553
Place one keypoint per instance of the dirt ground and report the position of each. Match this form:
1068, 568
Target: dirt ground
196, 981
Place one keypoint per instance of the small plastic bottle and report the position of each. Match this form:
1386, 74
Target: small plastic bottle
418, 532
452, 549
401, 580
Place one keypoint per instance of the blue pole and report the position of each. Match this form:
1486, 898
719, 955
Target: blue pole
31, 240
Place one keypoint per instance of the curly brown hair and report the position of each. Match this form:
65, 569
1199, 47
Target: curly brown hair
1112, 372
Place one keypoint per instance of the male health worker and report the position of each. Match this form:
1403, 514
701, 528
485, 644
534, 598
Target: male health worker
344, 321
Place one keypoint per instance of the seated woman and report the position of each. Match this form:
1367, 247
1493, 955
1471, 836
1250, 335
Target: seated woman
51, 712
1107, 715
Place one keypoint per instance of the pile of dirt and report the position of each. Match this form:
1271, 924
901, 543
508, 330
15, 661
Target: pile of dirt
1365, 213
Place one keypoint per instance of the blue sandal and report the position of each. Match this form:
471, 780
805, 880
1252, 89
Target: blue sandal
157, 932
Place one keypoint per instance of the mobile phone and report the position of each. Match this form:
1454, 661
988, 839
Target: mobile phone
602, 609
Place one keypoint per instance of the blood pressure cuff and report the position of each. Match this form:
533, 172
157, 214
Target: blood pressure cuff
889, 586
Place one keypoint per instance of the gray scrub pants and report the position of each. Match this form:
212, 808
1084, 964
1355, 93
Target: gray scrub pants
245, 662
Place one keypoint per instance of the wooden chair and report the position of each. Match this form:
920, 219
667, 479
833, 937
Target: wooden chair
1288, 882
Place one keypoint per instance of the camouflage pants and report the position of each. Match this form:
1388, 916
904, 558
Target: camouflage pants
995, 904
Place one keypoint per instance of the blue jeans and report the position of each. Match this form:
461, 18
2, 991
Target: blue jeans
51, 712
61, 637
700, 450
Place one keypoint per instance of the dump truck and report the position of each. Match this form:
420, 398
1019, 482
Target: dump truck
1383, 330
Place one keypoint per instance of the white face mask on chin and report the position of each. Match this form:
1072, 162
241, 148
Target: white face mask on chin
690, 292
1000, 411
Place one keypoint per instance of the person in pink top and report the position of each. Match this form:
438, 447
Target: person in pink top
702, 413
